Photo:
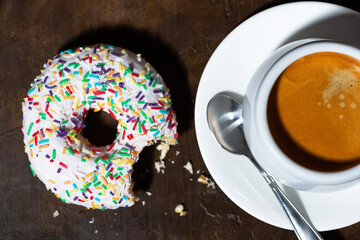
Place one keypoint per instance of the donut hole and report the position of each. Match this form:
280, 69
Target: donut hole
100, 128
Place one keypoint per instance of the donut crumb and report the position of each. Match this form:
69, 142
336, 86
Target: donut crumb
163, 148
56, 213
160, 166
188, 166
207, 181
180, 209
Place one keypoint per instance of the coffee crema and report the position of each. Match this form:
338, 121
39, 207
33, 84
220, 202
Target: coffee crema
314, 111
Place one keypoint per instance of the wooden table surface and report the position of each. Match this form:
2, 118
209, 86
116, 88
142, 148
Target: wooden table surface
177, 37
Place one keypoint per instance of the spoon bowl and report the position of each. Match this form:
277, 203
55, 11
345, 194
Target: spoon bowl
224, 116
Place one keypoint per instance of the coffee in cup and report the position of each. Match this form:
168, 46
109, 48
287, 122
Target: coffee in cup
314, 111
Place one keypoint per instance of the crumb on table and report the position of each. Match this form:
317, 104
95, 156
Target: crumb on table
180, 209
160, 166
207, 181
56, 213
188, 166
163, 148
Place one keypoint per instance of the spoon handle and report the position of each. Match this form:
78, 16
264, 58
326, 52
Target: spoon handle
303, 229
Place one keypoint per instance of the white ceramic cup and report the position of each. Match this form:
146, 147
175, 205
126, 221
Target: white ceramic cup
256, 128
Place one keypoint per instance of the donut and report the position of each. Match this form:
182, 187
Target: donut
71, 85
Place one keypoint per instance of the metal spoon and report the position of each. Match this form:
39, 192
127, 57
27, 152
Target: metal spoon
224, 116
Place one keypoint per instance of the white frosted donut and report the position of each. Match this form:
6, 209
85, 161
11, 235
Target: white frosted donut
97, 78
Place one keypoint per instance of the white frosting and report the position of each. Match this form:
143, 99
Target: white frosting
95, 78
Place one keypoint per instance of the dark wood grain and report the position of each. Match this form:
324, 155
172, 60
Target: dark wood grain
177, 37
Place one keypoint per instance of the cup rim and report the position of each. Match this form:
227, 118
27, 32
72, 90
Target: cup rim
260, 114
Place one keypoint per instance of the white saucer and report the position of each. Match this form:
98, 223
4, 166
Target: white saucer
230, 69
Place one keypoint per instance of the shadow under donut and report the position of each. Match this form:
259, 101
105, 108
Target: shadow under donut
166, 61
